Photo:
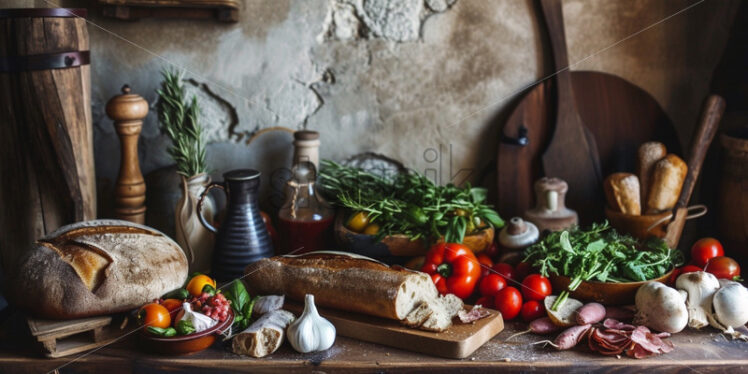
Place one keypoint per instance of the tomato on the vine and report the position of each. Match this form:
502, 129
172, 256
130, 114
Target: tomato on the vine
155, 315
485, 263
723, 268
491, 284
536, 287
532, 310
508, 301
704, 250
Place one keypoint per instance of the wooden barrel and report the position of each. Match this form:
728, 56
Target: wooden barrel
46, 139
733, 195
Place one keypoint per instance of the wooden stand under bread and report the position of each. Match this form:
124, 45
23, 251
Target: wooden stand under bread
356, 285
96, 267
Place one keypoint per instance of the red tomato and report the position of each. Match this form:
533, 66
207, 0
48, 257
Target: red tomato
509, 302
485, 263
522, 270
536, 287
485, 301
491, 284
704, 250
532, 310
723, 268
506, 271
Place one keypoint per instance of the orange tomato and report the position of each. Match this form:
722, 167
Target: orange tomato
173, 306
155, 315
196, 284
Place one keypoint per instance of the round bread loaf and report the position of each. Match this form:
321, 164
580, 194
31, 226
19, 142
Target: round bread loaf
96, 267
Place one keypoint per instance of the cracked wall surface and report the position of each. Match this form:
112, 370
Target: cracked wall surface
426, 82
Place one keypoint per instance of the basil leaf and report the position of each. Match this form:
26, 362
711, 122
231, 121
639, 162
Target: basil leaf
185, 327
167, 332
238, 296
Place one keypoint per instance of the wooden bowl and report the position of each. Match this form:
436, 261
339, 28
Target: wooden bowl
605, 293
398, 245
638, 226
184, 344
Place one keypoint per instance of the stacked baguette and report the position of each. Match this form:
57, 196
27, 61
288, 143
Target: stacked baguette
654, 188
356, 285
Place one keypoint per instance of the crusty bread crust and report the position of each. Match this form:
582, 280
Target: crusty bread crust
94, 268
341, 282
667, 181
647, 156
622, 193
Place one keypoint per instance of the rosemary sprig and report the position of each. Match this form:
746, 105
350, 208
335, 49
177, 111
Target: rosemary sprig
179, 119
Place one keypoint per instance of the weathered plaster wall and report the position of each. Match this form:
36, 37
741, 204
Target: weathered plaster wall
419, 80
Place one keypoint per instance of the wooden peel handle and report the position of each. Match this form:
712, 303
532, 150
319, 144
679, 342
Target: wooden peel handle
711, 114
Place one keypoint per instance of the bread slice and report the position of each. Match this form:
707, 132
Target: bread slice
419, 315
264, 336
445, 308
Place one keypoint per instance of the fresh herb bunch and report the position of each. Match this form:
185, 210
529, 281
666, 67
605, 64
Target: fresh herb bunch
409, 203
600, 254
179, 120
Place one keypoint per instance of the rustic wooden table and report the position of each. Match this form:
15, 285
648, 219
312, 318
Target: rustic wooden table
696, 352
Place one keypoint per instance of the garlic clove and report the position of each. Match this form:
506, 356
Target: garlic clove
311, 332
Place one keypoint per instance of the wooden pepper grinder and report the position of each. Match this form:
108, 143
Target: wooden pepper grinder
551, 212
127, 111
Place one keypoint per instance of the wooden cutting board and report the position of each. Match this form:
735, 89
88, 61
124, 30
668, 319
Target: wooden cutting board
459, 341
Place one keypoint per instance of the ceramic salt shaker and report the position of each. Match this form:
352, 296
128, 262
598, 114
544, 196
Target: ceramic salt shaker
551, 212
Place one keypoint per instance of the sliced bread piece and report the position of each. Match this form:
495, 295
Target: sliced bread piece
419, 315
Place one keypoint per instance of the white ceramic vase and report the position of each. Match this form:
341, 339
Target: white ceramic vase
192, 236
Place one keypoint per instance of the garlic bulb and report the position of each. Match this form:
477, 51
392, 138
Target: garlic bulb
198, 320
310, 332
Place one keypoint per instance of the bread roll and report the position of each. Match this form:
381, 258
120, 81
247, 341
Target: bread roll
667, 180
94, 268
649, 153
622, 193
342, 282
264, 336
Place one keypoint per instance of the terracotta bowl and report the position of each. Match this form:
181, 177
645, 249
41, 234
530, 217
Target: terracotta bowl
184, 344
604, 293
398, 245
638, 226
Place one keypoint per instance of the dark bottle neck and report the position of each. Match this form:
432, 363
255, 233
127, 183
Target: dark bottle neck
242, 192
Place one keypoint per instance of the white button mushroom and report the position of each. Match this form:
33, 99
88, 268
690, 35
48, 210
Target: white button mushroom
700, 287
661, 308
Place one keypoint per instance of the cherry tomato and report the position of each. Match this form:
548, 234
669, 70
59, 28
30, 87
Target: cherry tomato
704, 250
485, 263
509, 302
371, 229
171, 304
536, 287
506, 271
723, 268
358, 222
198, 282
485, 301
154, 315
522, 270
683, 270
491, 284
532, 310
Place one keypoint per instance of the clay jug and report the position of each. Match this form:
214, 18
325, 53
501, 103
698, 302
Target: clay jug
242, 237
192, 236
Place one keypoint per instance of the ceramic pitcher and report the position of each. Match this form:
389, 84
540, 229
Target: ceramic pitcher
242, 237
194, 238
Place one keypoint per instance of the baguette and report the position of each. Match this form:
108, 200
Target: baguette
94, 268
667, 181
649, 153
342, 282
622, 193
